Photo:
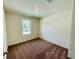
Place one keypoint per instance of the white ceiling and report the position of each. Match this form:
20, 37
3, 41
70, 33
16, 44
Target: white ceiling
38, 8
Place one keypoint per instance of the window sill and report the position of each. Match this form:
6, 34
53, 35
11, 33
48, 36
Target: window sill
26, 33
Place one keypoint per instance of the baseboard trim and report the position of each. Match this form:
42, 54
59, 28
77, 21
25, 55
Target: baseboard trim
53, 43
24, 41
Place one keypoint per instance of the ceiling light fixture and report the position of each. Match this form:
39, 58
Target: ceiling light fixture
36, 10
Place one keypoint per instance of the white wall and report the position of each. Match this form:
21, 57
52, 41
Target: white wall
14, 29
5, 46
57, 28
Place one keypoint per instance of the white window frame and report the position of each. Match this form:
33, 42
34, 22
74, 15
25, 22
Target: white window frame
26, 33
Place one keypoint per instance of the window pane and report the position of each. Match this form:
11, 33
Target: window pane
26, 25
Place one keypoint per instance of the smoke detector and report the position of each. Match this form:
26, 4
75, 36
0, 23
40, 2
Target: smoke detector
49, 1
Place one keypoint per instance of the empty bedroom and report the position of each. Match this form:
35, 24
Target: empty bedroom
38, 29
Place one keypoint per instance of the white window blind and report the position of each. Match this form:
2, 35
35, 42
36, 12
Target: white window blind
26, 26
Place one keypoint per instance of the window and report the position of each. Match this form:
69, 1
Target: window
26, 26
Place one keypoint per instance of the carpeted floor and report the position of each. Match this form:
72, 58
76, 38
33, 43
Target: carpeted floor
37, 49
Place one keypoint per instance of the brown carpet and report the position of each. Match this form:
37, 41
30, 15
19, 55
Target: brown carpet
37, 49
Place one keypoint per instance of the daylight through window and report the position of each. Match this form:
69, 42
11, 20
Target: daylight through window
26, 25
